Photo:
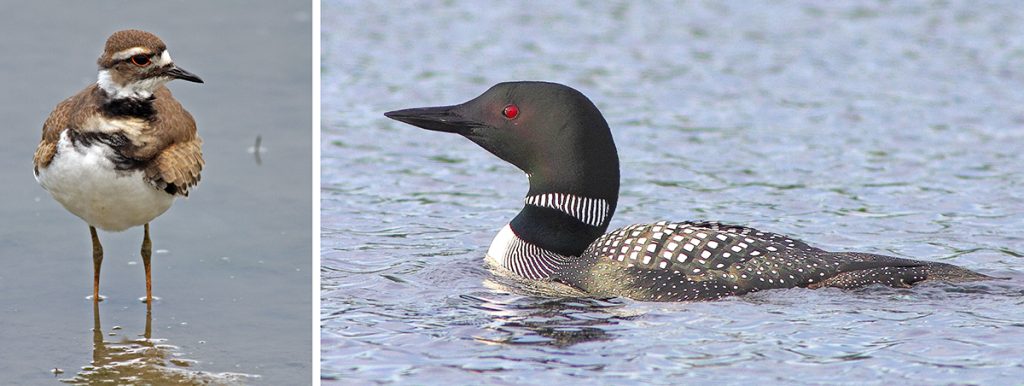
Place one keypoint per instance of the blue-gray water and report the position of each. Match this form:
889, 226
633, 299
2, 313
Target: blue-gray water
231, 263
889, 127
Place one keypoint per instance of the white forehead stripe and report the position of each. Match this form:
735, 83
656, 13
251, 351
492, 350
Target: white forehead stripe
165, 59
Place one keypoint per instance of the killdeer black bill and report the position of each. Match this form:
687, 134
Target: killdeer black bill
118, 153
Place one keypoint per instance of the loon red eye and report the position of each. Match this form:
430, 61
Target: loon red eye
510, 111
140, 60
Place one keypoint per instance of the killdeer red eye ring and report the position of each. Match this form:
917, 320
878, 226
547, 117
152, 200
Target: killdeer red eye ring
140, 60
511, 111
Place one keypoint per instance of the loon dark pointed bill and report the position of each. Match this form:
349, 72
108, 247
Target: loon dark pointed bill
559, 138
119, 152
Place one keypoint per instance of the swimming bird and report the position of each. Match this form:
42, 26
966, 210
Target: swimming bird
119, 152
559, 138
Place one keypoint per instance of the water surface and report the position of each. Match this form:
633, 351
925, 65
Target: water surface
893, 128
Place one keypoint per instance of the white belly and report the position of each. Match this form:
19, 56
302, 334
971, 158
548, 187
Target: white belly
86, 183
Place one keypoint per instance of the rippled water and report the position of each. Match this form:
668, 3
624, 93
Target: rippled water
893, 128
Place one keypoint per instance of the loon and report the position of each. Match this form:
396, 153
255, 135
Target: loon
559, 138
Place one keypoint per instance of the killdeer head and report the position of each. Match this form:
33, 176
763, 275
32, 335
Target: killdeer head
136, 63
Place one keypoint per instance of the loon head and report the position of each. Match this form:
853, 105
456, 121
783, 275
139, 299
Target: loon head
135, 63
550, 131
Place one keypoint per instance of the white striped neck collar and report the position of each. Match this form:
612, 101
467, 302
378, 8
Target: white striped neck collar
590, 211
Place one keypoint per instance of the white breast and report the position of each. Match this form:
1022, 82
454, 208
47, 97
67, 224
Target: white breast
498, 252
86, 183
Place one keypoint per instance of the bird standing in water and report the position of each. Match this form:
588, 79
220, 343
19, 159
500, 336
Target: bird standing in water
119, 152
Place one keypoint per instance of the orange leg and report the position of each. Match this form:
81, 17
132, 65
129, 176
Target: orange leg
97, 261
147, 253
148, 332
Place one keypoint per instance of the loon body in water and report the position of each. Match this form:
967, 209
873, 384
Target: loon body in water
563, 143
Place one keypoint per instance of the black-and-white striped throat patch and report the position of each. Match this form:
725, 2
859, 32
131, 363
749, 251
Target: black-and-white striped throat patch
590, 211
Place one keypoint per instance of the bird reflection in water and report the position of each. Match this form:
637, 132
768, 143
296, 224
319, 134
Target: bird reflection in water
554, 317
143, 360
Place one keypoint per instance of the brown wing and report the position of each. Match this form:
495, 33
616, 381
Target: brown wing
177, 167
68, 114
175, 148
44, 154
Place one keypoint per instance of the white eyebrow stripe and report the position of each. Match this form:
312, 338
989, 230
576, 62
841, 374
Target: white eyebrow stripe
125, 54
162, 60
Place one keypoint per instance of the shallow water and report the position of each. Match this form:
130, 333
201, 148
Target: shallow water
892, 128
231, 263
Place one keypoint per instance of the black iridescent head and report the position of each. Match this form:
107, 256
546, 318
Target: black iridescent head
550, 131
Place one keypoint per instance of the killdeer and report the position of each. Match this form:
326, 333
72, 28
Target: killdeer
120, 151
